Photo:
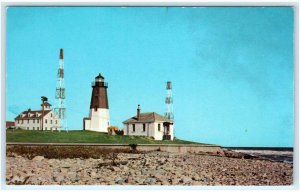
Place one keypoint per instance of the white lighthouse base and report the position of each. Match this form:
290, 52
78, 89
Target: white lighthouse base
98, 120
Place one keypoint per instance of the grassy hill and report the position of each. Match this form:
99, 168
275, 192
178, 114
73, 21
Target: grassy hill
28, 136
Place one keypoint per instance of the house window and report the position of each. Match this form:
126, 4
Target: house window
144, 127
33, 121
27, 120
45, 128
56, 121
18, 121
27, 128
158, 127
38, 128
22, 122
51, 121
38, 121
133, 127
45, 120
33, 128
51, 114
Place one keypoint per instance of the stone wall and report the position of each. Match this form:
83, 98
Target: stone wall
172, 148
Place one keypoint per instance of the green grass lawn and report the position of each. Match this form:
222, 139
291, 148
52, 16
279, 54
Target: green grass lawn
19, 135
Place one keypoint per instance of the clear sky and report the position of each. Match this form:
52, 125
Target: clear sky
231, 68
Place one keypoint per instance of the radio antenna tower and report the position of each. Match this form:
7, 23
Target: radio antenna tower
169, 102
60, 93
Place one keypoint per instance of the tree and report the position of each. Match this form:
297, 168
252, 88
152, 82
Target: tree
44, 99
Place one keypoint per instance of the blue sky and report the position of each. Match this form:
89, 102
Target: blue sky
231, 68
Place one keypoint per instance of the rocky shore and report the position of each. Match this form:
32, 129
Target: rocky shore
153, 168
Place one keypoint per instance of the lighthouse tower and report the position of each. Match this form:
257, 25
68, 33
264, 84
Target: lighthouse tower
98, 119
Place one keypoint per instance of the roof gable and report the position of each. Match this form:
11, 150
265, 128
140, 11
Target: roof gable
32, 114
146, 118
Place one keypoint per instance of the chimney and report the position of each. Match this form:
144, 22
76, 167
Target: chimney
61, 54
138, 112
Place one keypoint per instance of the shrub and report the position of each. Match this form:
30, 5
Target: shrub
62, 152
112, 130
120, 132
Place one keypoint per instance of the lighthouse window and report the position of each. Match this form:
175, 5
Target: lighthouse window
133, 127
144, 127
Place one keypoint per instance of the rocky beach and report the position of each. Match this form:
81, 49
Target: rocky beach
151, 168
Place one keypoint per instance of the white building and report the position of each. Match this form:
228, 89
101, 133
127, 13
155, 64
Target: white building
149, 124
38, 119
98, 119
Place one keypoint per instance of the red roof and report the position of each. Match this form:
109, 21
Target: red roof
33, 114
147, 118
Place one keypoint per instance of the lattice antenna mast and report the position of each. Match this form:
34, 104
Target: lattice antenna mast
169, 102
60, 93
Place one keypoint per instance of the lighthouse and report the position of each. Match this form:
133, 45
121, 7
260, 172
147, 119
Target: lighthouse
98, 119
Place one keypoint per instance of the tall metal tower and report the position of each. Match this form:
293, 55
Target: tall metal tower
169, 102
60, 110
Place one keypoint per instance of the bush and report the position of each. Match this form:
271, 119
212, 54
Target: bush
62, 152
120, 132
112, 130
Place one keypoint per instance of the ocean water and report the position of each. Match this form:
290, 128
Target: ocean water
273, 155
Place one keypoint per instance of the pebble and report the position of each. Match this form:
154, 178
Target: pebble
38, 158
153, 168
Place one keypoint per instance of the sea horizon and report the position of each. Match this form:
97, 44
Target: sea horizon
258, 148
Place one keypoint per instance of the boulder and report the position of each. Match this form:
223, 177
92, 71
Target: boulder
119, 180
150, 181
38, 158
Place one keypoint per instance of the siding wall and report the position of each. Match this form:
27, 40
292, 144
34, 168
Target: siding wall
151, 130
36, 124
139, 129
158, 135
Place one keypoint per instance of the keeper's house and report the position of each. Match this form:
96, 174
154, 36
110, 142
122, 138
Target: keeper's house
149, 124
45, 119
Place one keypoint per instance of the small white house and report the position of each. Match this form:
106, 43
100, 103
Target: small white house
38, 119
149, 124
